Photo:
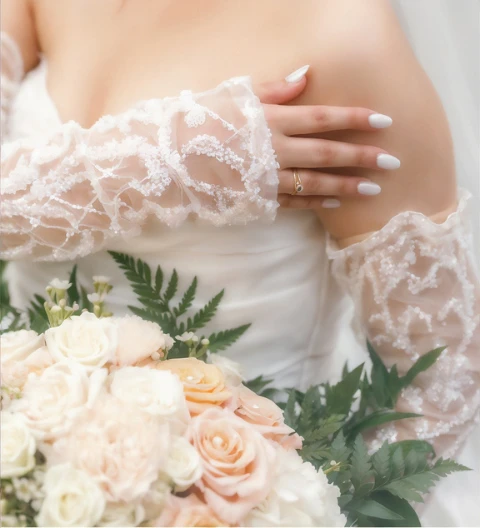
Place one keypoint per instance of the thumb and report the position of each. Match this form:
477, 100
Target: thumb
284, 91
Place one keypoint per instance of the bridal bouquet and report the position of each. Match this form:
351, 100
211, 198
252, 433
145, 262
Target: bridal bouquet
113, 421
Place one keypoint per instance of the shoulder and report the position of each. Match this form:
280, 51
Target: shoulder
361, 57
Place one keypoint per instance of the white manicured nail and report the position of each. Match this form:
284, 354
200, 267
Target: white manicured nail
380, 121
331, 203
369, 188
297, 75
386, 161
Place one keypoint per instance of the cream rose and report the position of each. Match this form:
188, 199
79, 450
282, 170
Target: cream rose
72, 498
53, 401
14, 374
15, 347
184, 466
18, 446
156, 392
203, 384
122, 514
232, 371
265, 416
238, 463
139, 339
84, 339
121, 447
188, 511
301, 496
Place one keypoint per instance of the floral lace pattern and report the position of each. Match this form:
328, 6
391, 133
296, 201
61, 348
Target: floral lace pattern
415, 288
206, 156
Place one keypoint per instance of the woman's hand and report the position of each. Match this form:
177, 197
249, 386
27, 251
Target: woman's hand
311, 157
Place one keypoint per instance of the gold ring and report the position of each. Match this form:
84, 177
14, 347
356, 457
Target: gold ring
297, 183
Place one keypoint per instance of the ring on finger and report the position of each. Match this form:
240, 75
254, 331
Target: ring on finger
297, 183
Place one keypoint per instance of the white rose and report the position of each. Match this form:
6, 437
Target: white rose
154, 500
15, 373
159, 393
121, 447
122, 514
301, 496
18, 446
184, 465
17, 346
52, 401
84, 339
72, 498
231, 370
139, 339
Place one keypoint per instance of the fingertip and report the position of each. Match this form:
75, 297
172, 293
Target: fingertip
379, 121
297, 75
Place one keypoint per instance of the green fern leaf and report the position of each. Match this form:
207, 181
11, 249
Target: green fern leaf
187, 299
226, 338
206, 314
361, 465
381, 464
172, 287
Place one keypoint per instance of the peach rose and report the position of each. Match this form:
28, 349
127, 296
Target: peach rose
265, 416
189, 511
238, 463
203, 384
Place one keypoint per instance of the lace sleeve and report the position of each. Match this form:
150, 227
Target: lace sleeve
11, 73
415, 287
206, 156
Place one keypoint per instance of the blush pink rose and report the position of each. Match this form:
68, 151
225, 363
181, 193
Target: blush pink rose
188, 511
265, 416
238, 463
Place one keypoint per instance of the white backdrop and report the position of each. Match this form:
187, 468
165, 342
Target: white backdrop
445, 35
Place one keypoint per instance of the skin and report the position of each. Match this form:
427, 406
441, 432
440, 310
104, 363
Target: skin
105, 56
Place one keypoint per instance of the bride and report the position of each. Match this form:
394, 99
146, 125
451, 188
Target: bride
192, 179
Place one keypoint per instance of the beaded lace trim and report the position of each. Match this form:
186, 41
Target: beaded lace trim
203, 156
415, 287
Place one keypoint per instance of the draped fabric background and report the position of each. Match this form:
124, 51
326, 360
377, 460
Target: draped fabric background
445, 35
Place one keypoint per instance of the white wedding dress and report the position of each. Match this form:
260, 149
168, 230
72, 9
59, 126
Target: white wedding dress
414, 283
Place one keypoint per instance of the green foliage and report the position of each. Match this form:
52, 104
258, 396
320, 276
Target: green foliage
376, 489
157, 305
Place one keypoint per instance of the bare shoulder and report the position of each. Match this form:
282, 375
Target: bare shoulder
361, 57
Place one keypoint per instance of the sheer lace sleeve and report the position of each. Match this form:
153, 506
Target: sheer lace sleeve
11, 73
415, 287
206, 156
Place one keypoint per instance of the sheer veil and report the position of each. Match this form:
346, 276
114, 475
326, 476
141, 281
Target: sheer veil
445, 35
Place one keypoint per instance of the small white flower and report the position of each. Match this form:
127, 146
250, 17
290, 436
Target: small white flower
184, 465
17, 446
95, 298
58, 284
72, 498
101, 279
186, 336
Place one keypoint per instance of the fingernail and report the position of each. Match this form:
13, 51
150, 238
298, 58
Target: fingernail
297, 75
369, 188
385, 161
331, 203
380, 121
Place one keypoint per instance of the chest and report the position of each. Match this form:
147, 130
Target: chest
105, 56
